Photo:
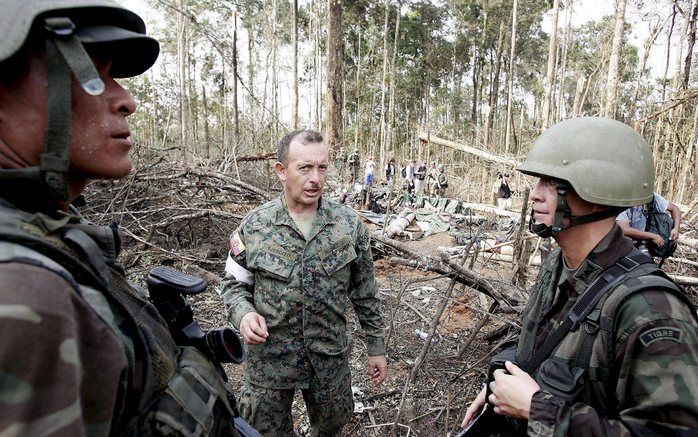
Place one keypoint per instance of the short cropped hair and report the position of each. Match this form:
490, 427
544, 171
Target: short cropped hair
304, 136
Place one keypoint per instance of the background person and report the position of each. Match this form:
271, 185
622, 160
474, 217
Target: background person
633, 221
369, 170
504, 192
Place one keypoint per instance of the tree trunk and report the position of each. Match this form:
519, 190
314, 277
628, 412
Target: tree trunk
234, 86
381, 138
649, 42
512, 57
577, 106
207, 133
251, 65
358, 93
274, 76
550, 75
691, 40
609, 109
182, 60
391, 101
561, 106
294, 80
334, 73
494, 90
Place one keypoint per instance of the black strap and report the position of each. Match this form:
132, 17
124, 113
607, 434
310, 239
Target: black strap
606, 281
82, 272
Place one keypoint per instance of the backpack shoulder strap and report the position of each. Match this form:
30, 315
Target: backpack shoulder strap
605, 282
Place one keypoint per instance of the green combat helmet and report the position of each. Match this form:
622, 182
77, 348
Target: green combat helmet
72, 29
606, 162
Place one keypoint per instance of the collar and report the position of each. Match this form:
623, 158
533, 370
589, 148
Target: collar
325, 214
607, 252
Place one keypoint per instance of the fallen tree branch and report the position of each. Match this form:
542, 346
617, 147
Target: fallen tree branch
427, 137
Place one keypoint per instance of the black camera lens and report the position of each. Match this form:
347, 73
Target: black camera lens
225, 345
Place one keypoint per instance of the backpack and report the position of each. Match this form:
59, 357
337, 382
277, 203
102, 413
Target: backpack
659, 223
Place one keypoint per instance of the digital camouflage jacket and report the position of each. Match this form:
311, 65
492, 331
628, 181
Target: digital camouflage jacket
641, 378
303, 289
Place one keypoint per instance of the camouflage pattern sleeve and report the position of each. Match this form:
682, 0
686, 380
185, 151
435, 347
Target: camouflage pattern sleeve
237, 287
62, 370
657, 389
364, 293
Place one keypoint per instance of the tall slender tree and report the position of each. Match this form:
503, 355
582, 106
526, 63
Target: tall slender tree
611, 102
335, 50
550, 74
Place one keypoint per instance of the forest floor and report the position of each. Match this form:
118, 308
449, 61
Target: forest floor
183, 217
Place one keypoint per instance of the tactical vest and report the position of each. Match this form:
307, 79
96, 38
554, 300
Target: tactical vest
172, 390
581, 367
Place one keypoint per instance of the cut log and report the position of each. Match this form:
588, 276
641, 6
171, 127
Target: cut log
426, 137
687, 241
685, 280
491, 209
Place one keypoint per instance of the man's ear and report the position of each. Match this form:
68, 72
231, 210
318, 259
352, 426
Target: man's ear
280, 171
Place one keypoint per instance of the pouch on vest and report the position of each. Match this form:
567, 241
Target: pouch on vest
190, 405
561, 380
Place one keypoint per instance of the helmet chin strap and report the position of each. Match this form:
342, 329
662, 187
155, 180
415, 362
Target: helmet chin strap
64, 55
563, 211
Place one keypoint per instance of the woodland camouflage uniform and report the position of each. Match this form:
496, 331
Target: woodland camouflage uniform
303, 288
649, 384
631, 366
354, 164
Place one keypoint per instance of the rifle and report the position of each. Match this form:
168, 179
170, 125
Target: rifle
168, 290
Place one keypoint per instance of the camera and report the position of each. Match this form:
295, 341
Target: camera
168, 289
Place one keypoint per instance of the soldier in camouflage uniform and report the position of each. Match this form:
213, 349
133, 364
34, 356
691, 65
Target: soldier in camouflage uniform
354, 164
295, 265
631, 367
82, 351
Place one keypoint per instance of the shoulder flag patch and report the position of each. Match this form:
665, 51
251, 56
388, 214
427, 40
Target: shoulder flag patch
236, 244
663, 333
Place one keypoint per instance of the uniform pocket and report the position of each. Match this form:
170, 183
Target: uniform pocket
561, 380
193, 403
269, 263
337, 255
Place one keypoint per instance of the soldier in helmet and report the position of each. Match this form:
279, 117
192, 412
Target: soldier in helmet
609, 342
82, 351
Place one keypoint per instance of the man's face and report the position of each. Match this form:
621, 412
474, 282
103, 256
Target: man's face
100, 133
304, 174
544, 198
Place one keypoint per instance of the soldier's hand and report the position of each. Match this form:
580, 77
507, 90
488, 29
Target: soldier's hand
674, 235
658, 240
475, 408
377, 368
512, 392
253, 328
